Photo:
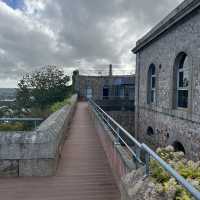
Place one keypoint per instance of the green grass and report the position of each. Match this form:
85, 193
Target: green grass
58, 105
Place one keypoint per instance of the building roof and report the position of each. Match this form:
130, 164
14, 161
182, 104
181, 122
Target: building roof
174, 17
113, 76
116, 80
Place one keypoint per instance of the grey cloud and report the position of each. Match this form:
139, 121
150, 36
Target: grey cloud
63, 32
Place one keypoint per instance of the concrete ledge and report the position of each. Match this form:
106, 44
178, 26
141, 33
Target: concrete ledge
36, 153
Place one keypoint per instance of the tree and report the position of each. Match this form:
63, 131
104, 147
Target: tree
42, 88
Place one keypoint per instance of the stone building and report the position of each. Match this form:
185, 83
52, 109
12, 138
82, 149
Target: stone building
105, 87
167, 102
113, 93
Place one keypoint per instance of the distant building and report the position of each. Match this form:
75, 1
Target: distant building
167, 103
114, 94
8, 94
105, 87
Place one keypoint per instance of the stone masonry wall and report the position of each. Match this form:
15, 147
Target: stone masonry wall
125, 119
119, 159
170, 124
36, 153
96, 83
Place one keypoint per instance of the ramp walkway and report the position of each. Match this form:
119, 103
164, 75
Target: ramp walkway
83, 173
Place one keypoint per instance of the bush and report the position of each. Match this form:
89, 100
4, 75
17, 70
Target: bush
17, 126
58, 105
38, 112
190, 170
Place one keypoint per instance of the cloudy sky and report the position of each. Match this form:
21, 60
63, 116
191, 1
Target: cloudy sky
84, 34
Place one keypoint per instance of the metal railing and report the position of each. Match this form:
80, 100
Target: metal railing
30, 119
118, 131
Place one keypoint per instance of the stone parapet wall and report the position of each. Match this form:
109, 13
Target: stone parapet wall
119, 159
36, 153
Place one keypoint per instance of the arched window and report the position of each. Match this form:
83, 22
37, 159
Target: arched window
105, 92
151, 85
181, 81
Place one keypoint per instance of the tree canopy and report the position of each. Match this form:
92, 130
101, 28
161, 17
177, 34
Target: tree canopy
42, 88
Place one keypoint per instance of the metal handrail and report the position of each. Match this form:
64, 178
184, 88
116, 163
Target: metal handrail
143, 147
117, 124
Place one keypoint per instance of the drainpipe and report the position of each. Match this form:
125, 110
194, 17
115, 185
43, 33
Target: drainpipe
110, 81
137, 99
139, 69
110, 70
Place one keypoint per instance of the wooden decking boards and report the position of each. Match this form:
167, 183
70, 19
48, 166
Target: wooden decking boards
83, 172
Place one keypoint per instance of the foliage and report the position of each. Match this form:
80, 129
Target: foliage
38, 112
58, 105
17, 126
42, 88
190, 170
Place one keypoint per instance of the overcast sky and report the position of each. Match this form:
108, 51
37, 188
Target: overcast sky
84, 34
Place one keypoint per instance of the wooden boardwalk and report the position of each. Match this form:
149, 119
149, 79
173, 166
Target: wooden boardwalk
83, 172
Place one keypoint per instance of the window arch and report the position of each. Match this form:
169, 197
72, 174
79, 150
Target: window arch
181, 81
151, 85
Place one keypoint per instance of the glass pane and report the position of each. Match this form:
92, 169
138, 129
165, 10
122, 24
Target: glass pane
181, 64
131, 93
121, 92
186, 78
117, 91
126, 92
183, 79
183, 98
153, 70
152, 95
153, 82
186, 64
180, 79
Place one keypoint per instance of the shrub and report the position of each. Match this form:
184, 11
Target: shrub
190, 170
58, 105
17, 126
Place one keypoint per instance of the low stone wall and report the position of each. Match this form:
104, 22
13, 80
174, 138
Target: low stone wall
119, 159
36, 153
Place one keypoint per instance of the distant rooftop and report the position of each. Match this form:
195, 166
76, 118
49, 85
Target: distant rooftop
174, 17
109, 70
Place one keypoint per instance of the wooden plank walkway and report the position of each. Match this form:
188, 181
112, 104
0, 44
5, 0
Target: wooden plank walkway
83, 172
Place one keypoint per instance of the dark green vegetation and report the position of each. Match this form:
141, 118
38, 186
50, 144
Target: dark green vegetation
42, 88
190, 170
16, 126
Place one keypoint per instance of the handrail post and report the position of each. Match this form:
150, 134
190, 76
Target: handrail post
118, 137
138, 153
147, 163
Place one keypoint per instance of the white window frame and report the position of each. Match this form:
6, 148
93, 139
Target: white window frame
151, 91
